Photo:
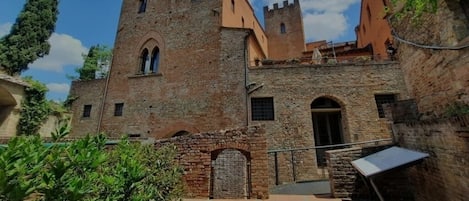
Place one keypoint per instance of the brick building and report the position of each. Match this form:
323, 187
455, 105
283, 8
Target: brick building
183, 67
374, 30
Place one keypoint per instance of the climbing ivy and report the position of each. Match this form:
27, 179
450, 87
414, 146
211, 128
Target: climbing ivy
34, 108
415, 8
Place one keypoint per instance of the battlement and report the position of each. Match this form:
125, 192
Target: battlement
286, 5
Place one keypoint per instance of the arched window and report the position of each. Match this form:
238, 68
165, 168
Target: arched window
283, 29
155, 60
143, 6
144, 61
242, 21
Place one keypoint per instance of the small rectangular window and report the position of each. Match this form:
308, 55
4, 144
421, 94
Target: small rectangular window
143, 6
87, 110
384, 99
118, 109
262, 109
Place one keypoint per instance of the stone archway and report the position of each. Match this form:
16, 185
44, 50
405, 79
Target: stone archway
327, 125
230, 174
7, 104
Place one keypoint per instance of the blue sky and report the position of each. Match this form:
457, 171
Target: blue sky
83, 23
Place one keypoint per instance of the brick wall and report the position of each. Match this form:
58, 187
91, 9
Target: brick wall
291, 43
445, 174
197, 153
346, 182
200, 81
86, 93
295, 87
436, 78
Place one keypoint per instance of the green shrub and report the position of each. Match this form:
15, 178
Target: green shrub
86, 170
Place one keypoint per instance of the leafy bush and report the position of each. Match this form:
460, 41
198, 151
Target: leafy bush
34, 109
87, 170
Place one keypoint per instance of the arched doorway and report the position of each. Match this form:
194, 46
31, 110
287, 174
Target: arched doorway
230, 174
327, 126
7, 104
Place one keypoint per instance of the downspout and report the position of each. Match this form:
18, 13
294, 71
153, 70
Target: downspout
246, 65
101, 114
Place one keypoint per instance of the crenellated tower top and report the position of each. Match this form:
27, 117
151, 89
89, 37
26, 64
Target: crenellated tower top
290, 6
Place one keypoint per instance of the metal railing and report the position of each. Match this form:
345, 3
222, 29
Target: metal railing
292, 151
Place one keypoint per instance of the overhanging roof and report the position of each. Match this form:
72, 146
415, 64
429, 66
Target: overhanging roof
386, 160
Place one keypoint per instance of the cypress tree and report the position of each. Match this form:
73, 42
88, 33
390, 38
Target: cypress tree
27, 40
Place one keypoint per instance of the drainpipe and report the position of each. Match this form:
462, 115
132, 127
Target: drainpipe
246, 65
98, 129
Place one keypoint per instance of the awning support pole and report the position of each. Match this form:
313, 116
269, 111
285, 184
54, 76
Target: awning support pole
376, 189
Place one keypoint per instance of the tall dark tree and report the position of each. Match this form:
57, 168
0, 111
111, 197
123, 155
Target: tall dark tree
27, 40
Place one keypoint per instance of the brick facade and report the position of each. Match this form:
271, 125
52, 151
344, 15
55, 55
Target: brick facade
284, 29
346, 182
204, 82
294, 88
444, 175
436, 78
86, 93
197, 153
374, 28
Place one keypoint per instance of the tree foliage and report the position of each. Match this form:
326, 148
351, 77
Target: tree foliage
96, 63
34, 109
86, 170
27, 40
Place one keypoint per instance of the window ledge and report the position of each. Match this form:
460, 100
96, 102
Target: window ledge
146, 75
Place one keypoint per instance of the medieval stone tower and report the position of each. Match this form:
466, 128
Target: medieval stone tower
284, 29
175, 70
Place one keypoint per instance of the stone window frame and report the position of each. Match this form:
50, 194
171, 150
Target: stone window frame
153, 42
384, 98
262, 109
149, 63
118, 109
87, 111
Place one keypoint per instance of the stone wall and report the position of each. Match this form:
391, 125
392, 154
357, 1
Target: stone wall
295, 87
436, 78
445, 174
11, 97
86, 93
346, 182
198, 154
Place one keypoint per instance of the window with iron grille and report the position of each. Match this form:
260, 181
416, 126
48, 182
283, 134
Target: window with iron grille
384, 99
118, 110
262, 109
87, 110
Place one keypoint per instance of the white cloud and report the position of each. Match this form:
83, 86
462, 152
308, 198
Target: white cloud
5, 29
65, 50
336, 6
324, 26
323, 19
58, 87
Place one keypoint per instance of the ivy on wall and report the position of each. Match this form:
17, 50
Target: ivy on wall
415, 8
34, 108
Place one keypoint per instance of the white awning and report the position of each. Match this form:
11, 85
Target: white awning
386, 160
